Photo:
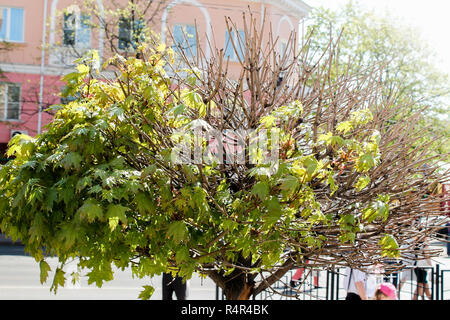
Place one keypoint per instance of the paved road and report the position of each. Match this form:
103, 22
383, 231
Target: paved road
19, 279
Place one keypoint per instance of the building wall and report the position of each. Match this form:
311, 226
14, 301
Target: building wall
21, 63
28, 51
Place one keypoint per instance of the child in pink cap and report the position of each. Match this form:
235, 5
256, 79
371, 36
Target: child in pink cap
386, 291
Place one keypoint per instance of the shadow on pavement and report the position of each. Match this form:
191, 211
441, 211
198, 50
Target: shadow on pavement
12, 250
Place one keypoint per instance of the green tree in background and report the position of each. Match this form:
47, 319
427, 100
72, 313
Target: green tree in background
410, 77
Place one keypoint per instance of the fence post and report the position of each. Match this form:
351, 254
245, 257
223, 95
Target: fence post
332, 284
328, 284
337, 284
437, 282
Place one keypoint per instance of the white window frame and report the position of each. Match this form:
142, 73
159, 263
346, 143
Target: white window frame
6, 102
8, 25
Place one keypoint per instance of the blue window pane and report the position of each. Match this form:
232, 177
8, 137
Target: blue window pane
229, 51
185, 38
3, 30
239, 42
191, 39
178, 35
16, 26
84, 32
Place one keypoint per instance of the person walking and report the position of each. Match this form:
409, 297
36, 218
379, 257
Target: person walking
295, 280
171, 285
355, 283
420, 271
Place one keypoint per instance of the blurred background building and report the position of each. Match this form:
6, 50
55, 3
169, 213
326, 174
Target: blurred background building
40, 39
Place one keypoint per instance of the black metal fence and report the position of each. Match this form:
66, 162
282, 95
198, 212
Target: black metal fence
317, 284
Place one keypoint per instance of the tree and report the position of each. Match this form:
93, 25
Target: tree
410, 74
112, 181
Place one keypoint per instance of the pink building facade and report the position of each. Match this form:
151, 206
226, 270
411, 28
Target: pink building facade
38, 38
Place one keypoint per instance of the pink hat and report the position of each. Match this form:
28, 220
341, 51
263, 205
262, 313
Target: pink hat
389, 290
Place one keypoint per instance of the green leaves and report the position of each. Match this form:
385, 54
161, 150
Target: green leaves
344, 127
44, 270
261, 190
100, 272
50, 199
331, 140
289, 183
144, 203
116, 214
20, 146
389, 247
365, 162
362, 182
91, 210
146, 293
193, 100
332, 183
58, 280
311, 164
179, 109
68, 234
268, 121
381, 205
71, 160
178, 231
378, 209
230, 225
273, 211
199, 198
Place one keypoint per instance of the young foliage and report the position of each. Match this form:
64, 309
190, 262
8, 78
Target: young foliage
100, 183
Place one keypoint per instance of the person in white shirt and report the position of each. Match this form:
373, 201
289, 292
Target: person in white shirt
355, 282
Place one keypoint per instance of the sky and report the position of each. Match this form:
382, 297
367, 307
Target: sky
430, 17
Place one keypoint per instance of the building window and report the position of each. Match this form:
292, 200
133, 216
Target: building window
9, 101
239, 43
12, 24
77, 30
184, 37
131, 33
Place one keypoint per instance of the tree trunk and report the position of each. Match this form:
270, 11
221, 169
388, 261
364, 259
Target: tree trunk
240, 285
236, 286
239, 288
